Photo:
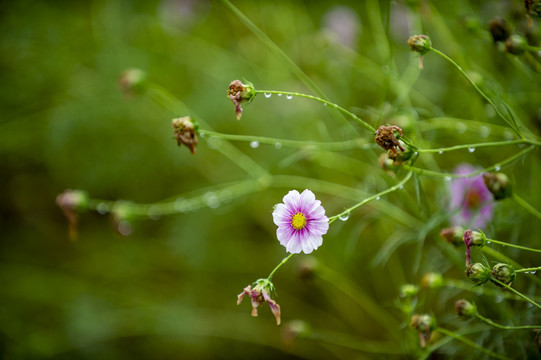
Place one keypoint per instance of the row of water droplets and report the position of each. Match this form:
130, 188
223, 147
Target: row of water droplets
288, 96
255, 144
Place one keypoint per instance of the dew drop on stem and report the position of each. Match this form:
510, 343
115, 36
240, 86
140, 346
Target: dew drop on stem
471, 149
278, 145
267, 95
344, 216
279, 94
254, 144
289, 97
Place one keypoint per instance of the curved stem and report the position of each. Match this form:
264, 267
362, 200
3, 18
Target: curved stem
527, 206
323, 101
373, 197
481, 92
513, 245
532, 269
470, 343
516, 292
492, 323
278, 266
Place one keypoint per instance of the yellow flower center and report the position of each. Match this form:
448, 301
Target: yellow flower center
298, 221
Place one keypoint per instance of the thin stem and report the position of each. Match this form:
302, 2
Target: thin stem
492, 323
527, 206
470, 343
513, 245
532, 269
480, 290
516, 292
479, 145
481, 92
323, 101
279, 265
373, 197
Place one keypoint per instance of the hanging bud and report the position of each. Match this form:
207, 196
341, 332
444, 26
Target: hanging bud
454, 235
473, 238
424, 324
465, 309
72, 202
432, 280
185, 130
498, 184
408, 290
387, 139
132, 81
420, 44
478, 273
499, 29
260, 293
504, 273
239, 93
516, 44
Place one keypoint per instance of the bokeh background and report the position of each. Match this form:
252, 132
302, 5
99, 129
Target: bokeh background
169, 288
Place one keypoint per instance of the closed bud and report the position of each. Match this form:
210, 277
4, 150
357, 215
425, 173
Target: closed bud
478, 273
132, 81
420, 44
465, 308
400, 158
499, 29
504, 273
498, 184
454, 235
432, 280
424, 324
516, 44
475, 238
408, 290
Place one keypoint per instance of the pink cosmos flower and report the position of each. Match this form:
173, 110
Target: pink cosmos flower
471, 201
301, 222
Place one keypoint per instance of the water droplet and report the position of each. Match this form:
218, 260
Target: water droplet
180, 205
154, 212
508, 135
461, 128
254, 144
485, 131
289, 97
278, 145
416, 153
102, 208
324, 104
211, 200
529, 305
488, 242
125, 228
226, 196
498, 299
440, 152
497, 167
447, 178
379, 197
267, 95
202, 134
279, 94
526, 272
471, 149
533, 272
344, 217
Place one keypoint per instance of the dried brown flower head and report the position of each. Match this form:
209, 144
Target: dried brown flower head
239, 93
386, 138
185, 132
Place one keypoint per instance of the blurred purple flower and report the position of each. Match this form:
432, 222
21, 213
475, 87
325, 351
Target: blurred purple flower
301, 222
471, 201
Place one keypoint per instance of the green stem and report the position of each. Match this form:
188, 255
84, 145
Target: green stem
481, 92
479, 290
527, 206
269, 278
323, 101
513, 245
479, 145
373, 197
490, 322
532, 269
516, 292
470, 343
336, 145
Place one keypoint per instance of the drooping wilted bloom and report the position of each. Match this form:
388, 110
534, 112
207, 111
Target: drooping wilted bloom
471, 201
239, 93
386, 138
262, 291
185, 131
301, 222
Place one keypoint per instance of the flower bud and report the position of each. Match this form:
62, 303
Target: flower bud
478, 273
239, 93
504, 273
499, 29
465, 308
420, 44
516, 44
454, 235
408, 290
185, 130
132, 81
424, 324
498, 184
475, 238
432, 280
72, 202
400, 158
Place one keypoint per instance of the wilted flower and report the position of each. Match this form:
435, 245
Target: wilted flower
498, 184
71, 202
239, 93
465, 308
470, 199
478, 273
386, 138
185, 132
261, 293
301, 222
504, 273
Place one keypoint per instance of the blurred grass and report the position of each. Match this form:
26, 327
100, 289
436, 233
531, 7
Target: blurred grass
169, 290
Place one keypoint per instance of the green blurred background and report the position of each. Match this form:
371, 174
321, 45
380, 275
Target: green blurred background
169, 289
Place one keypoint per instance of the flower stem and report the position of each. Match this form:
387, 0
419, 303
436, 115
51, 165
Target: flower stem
490, 322
373, 197
470, 343
479, 145
481, 92
527, 206
269, 278
513, 245
348, 113
516, 292
532, 269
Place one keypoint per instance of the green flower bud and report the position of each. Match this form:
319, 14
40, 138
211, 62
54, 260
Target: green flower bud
516, 44
408, 290
420, 44
477, 238
454, 235
478, 273
498, 184
424, 324
504, 273
432, 280
465, 309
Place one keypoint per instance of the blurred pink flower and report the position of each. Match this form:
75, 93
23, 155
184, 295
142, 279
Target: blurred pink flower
471, 201
301, 222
